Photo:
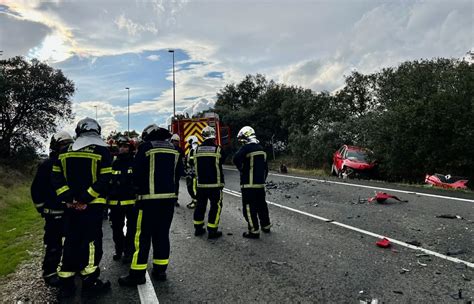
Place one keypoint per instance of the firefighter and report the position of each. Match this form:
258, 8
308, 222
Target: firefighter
208, 161
156, 165
81, 176
190, 174
46, 202
251, 161
121, 201
175, 141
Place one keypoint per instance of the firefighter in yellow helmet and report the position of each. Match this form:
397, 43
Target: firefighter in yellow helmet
157, 163
81, 176
51, 209
208, 161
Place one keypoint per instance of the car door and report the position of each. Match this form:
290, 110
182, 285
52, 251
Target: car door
338, 158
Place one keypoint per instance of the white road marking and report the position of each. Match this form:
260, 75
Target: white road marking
147, 291
430, 252
369, 187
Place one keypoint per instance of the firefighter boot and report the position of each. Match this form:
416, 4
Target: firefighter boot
199, 231
133, 279
250, 235
159, 272
214, 234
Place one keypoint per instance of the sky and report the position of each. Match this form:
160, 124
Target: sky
106, 46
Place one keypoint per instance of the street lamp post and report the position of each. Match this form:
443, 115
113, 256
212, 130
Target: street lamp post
174, 87
95, 113
128, 110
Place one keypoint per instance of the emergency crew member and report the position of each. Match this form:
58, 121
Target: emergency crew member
81, 176
121, 201
157, 163
251, 161
208, 162
190, 173
46, 202
175, 141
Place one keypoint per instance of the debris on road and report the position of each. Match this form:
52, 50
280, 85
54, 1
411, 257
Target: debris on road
414, 243
450, 216
287, 196
404, 270
383, 243
315, 205
279, 263
281, 185
398, 292
422, 264
456, 251
381, 197
466, 278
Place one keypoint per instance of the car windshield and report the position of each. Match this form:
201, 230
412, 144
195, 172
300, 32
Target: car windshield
357, 155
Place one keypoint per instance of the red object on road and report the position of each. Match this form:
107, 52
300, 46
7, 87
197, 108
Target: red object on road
381, 197
446, 181
384, 243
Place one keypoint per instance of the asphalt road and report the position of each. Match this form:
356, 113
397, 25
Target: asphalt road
316, 260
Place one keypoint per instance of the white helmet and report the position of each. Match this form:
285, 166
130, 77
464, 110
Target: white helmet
87, 125
58, 139
175, 137
208, 132
247, 135
193, 140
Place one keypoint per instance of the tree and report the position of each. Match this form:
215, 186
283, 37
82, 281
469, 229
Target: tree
34, 99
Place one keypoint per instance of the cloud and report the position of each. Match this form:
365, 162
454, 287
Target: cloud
153, 57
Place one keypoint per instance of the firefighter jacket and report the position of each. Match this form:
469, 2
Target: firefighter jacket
42, 190
156, 168
251, 161
83, 175
190, 162
208, 161
121, 191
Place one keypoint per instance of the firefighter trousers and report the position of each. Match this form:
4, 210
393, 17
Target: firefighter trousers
123, 243
153, 227
53, 244
214, 196
255, 209
191, 185
82, 249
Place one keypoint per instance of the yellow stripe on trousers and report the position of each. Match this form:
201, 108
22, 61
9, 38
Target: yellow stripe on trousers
135, 265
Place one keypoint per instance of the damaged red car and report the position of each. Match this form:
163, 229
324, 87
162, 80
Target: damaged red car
352, 161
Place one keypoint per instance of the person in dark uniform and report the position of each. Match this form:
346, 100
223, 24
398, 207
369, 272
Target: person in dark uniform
175, 141
81, 176
156, 166
190, 173
46, 202
208, 161
251, 161
121, 201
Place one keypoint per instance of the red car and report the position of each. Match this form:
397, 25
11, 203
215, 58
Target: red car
350, 161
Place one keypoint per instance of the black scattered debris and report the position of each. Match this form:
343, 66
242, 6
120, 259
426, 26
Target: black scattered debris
404, 270
398, 292
287, 196
230, 233
329, 221
281, 185
450, 216
414, 243
457, 296
466, 278
456, 251
315, 205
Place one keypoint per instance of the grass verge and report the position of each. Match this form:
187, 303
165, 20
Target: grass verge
21, 227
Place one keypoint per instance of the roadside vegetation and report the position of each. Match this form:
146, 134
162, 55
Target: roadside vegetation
21, 227
415, 117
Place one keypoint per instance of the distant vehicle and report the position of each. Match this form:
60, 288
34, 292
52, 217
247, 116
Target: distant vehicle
446, 181
351, 161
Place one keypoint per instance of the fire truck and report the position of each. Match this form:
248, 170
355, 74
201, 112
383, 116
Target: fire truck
186, 127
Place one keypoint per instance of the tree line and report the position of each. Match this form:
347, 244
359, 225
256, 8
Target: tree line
417, 117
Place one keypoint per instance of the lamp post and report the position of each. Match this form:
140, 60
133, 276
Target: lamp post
95, 113
128, 111
174, 88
